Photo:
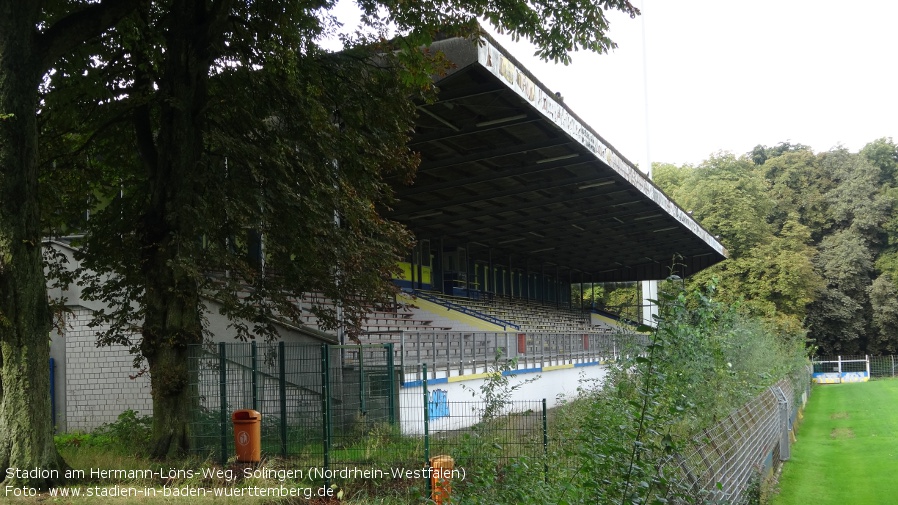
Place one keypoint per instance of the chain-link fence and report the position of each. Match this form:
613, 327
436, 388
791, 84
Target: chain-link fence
751, 442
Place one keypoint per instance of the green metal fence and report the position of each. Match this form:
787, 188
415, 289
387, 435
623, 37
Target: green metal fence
315, 400
338, 407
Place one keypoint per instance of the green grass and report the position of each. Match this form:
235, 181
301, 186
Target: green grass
847, 447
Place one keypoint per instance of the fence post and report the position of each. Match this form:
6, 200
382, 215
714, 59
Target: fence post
447, 346
461, 354
418, 345
426, 426
326, 409
392, 389
223, 400
402, 354
542, 351
362, 381
545, 443
783, 408
255, 377
282, 390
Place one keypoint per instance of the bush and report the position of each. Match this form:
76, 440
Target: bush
129, 434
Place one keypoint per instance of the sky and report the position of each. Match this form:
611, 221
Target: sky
726, 76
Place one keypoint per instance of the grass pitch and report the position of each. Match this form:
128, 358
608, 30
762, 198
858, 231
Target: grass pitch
847, 448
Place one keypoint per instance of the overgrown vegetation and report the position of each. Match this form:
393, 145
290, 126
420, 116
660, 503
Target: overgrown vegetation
129, 434
706, 359
617, 442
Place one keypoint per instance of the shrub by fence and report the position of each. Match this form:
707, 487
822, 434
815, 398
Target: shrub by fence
339, 407
750, 443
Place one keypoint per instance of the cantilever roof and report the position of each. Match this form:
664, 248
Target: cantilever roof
508, 170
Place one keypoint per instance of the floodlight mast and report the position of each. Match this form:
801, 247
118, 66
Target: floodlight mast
649, 288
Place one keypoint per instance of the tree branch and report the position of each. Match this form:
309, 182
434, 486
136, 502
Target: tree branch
80, 26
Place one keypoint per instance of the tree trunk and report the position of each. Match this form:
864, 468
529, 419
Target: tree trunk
169, 224
26, 434
172, 324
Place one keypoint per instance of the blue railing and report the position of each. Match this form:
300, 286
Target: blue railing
465, 310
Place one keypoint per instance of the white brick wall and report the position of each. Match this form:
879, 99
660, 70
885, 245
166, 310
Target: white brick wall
98, 387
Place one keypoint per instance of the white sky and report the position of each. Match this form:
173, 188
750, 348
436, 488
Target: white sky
727, 75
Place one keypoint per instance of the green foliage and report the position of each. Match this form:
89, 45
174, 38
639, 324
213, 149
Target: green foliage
521, 480
620, 298
884, 306
555, 28
883, 154
619, 437
808, 233
798, 188
858, 201
670, 178
129, 434
226, 155
497, 388
593, 294
837, 319
730, 198
624, 299
706, 358
761, 154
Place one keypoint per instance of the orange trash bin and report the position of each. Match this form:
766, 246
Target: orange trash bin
441, 479
247, 435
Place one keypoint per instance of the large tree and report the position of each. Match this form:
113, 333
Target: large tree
858, 206
883, 337
260, 160
771, 268
798, 187
33, 36
730, 198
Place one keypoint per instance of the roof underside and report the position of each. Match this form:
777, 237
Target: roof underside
508, 170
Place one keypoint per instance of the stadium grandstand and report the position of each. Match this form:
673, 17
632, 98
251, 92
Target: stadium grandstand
516, 202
